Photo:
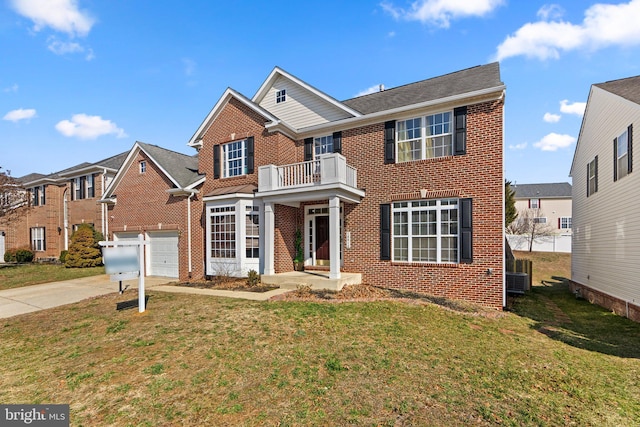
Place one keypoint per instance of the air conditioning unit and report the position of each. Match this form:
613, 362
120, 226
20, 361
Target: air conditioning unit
517, 283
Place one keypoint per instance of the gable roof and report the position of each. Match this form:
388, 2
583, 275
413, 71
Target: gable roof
181, 169
196, 139
627, 88
557, 190
460, 82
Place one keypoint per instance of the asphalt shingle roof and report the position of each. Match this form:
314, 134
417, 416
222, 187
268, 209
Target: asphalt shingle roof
183, 168
628, 88
535, 191
457, 83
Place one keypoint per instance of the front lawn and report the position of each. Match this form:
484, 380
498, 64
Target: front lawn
16, 276
196, 360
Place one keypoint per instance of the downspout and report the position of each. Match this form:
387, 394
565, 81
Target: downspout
504, 235
189, 231
105, 226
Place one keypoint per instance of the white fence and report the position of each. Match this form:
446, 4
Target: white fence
555, 243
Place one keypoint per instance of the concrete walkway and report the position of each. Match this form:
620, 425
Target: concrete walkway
39, 297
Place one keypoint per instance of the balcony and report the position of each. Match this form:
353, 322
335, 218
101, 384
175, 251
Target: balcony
306, 180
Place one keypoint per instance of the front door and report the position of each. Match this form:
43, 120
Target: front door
322, 240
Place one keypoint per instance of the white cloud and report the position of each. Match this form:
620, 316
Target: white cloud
550, 11
391, 34
20, 114
441, 12
367, 91
89, 127
60, 15
551, 118
61, 48
521, 146
553, 141
604, 25
12, 88
576, 108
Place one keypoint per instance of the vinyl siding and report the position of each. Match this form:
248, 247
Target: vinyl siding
301, 108
606, 226
552, 209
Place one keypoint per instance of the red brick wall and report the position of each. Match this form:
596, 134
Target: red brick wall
144, 205
477, 175
617, 305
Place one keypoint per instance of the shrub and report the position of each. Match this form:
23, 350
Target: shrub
24, 255
63, 256
10, 255
253, 278
84, 250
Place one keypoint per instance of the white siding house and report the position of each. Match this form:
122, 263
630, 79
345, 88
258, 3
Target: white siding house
606, 196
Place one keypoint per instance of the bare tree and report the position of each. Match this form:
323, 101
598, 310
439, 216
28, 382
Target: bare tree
12, 194
531, 224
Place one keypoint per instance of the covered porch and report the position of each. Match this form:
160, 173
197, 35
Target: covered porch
328, 182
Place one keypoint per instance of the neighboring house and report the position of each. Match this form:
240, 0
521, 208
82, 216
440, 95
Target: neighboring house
402, 188
605, 262
58, 203
545, 203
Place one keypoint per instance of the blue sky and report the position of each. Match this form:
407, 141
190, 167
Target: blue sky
81, 80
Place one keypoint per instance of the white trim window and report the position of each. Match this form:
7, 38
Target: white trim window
425, 137
281, 96
592, 177
38, 239
540, 220
252, 231
143, 166
426, 231
622, 155
223, 232
565, 222
39, 198
322, 145
534, 203
234, 158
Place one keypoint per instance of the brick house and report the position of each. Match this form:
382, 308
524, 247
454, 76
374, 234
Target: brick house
58, 203
153, 194
402, 188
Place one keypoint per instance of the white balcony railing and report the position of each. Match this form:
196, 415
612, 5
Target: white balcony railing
329, 169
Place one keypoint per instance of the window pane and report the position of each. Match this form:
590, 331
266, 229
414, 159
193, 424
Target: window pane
400, 249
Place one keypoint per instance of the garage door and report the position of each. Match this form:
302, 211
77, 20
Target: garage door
163, 253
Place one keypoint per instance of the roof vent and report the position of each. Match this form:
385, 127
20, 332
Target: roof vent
381, 87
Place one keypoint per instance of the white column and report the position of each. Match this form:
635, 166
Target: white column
269, 238
334, 237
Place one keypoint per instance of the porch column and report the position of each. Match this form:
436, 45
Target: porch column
269, 239
334, 237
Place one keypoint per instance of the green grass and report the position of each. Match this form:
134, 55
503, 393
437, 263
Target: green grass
16, 276
195, 360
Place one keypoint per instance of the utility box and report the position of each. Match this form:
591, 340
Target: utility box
517, 283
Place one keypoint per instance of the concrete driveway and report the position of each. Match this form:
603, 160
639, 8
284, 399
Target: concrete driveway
39, 297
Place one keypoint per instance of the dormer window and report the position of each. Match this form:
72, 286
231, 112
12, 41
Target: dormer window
143, 166
281, 96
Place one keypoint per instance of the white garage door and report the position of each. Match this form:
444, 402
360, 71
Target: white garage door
163, 253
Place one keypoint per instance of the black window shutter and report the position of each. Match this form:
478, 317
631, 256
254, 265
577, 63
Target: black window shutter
588, 171
216, 161
44, 238
460, 131
390, 142
385, 232
250, 155
337, 142
92, 189
44, 195
615, 159
33, 247
630, 147
595, 189
308, 149
466, 231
